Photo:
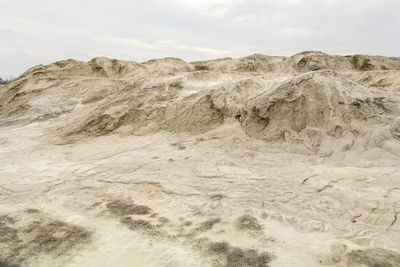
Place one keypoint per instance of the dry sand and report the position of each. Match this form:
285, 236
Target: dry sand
257, 161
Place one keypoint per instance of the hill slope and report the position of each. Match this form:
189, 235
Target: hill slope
306, 98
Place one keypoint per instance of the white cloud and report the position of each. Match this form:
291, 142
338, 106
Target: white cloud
162, 45
214, 8
299, 32
36, 32
295, 2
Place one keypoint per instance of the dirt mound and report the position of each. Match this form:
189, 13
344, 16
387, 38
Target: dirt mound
311, 61
97, 67
262, 63
318, 109
386, 80
302, 62
271, 97
222, 64
168, 65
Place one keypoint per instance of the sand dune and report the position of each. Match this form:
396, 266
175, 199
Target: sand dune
256, 161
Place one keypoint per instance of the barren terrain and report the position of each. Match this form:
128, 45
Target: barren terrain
257, 161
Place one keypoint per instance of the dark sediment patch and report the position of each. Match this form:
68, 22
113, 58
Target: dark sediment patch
122, 208
207, 225
377, 257
144, 226
237, 257
20, 241
247, 222
187, 223
58, 236
137, 224
6, 264
10, 242
163, 220
6, 219
219, 247
127, 210
202, 227
32, 211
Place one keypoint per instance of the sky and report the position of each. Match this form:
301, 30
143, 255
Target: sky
36, 32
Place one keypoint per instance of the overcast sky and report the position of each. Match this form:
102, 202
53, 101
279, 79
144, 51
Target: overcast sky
43, 31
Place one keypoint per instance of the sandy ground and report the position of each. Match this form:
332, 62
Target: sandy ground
161, 170
303, 211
